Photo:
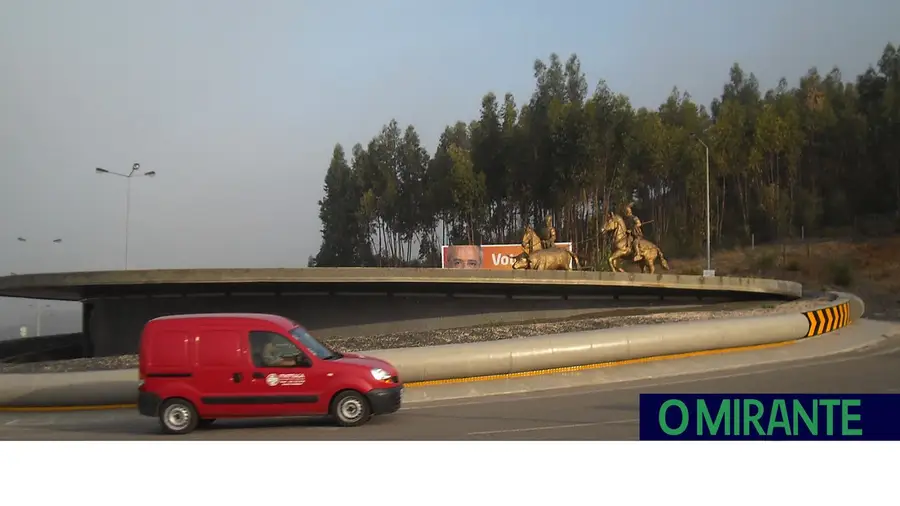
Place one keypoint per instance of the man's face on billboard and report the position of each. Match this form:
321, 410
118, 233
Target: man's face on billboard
464, 257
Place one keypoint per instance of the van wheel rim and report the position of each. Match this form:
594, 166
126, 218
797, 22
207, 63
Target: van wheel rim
177, 417
351, 409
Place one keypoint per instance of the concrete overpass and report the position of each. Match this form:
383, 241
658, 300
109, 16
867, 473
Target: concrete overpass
353, 301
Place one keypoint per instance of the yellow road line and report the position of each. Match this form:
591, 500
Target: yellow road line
418, 384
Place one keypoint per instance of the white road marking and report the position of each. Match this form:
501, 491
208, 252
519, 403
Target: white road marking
551, 427
34, 422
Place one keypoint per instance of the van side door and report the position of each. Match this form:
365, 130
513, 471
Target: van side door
278, 384
221, 373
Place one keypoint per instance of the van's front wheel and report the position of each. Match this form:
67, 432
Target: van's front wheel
178, 416
351, 409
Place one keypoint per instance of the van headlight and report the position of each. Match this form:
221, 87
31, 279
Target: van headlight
380, 374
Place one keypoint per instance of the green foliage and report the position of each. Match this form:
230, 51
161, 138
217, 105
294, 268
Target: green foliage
840, 272
343, 238
813, 156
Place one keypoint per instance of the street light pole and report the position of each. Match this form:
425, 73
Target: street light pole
134, 173
127, 216
40, 310
708, 233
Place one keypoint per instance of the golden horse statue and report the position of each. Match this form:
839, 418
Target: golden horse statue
531, 241
623, 245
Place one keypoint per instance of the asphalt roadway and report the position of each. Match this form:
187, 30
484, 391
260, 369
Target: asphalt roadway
603, 412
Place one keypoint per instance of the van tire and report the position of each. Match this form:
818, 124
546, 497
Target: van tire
178, 416
350, 409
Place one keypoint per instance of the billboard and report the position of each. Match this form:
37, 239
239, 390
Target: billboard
486, 256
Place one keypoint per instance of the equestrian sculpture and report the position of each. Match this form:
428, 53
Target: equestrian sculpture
630, 242
531, 241
636, 228
542, 253
548, 240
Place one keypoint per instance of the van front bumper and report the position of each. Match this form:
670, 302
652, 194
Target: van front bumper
148, 404
385, 401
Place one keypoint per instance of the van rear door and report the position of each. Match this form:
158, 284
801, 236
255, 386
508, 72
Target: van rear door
166, 354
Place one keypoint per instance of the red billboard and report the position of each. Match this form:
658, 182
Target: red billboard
486, 256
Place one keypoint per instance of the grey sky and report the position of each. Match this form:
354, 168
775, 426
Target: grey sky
237, 104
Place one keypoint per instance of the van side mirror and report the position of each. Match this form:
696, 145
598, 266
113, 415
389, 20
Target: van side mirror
302, 361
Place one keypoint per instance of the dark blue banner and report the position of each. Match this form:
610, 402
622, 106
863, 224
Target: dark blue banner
801, 417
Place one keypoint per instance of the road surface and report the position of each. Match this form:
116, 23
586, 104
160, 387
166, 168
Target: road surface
599, 412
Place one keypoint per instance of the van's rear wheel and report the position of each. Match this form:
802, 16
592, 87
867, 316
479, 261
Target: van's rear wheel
351, 409
178, 416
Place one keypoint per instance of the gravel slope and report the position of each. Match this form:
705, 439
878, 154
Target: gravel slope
450, 336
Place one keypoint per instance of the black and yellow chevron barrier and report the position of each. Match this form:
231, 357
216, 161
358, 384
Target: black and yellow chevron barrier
828, 319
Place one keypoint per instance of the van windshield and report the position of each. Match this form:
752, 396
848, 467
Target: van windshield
313, 345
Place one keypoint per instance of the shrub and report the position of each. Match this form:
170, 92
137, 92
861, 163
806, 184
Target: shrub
765, 262
840, 272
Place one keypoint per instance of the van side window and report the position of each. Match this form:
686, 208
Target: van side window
270, 349
219, 348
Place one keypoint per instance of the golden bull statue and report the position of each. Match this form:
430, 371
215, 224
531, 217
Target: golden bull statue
541, 253
550, 259
626, 242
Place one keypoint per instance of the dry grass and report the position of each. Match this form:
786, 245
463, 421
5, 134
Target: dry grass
869, 268
827, 263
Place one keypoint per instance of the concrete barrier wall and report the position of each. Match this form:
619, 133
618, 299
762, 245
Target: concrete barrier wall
589, 347
87, 388
857, 305
475, 359
79, 285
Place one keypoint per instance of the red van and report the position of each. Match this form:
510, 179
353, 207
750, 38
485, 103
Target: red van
197, 368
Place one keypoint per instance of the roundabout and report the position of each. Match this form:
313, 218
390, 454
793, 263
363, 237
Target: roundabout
360, 301
601, 407
338, 304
